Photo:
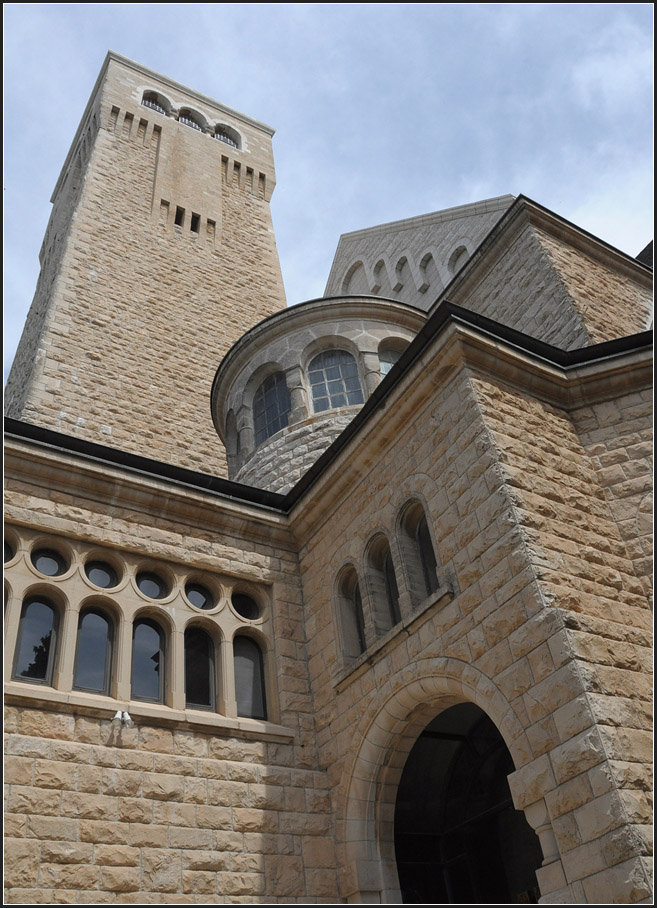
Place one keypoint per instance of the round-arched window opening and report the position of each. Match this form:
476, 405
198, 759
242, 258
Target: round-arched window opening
9, 551
199, 596
458, 838
225, 134
271, 407
101, 574
93, 656
37, 638
189, 118
49, 562
245, 606
334, 380
152, 585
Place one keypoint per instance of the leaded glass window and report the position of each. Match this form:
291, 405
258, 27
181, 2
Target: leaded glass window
334, 380
271, 407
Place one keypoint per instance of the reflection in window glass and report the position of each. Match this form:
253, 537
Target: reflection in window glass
35, 652
334, 380
151, 585
387, 359
199, 596
271, 407
249, 678
101, 574
147, 662
92, 660
357, 602
48, 562
199, 669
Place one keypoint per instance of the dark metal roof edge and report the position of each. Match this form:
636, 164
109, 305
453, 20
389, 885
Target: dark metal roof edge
446, 313
138, 464
451, 312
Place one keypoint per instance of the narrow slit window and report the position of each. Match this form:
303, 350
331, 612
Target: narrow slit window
195, 224
180, 217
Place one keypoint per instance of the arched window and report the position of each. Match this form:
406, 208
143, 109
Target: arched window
228, 135
37, 641
189, 118
334, 380
93, 654
271, 407
418, 552
383, 584
351, 615
148, 653
249, 678
156, 102
199, 669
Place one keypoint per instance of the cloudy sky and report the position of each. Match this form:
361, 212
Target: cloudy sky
381, 111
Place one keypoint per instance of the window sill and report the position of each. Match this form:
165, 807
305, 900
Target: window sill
385, 644
18, 693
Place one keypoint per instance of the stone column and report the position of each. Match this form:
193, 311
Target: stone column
67, 633
245, 431
175, 695
227, 699
372, 370
123, 661
300, 409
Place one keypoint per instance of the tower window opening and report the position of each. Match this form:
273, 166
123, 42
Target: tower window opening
227, 135
188, 119
195, 223
180, 217
334, 380
271, 407
154, 101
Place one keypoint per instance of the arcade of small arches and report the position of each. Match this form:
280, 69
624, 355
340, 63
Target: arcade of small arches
105, 624
406, 273
370, 599
158, 102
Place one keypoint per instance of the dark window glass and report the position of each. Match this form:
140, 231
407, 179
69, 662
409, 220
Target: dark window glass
199, 669
392, 593
9, 551
357, 601
249, 678
334, 380
387, 359
427, 556
199, 596
36, 644
271, 407
48, 562
147, 662
245, 606
151, 585
101, 574
94, 651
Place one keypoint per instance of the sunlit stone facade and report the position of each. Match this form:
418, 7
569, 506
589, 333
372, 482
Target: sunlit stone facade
394, 643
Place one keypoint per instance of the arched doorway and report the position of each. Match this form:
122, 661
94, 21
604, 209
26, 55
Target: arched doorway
458, 838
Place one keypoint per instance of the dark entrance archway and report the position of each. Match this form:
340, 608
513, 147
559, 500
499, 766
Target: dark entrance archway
458, 838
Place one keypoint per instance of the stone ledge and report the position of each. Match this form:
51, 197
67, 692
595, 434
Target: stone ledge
19, 694
383, 645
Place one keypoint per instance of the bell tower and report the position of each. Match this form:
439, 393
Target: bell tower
159, 255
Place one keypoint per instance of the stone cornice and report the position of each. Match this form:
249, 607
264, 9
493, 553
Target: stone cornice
114, 486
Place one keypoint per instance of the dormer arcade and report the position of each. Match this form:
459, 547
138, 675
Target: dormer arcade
290, 386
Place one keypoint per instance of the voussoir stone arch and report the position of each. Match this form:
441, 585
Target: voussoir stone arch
399, 711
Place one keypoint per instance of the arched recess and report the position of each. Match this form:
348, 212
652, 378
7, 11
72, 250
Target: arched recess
404, 705
357, 280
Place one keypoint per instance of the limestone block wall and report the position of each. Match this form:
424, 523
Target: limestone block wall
162, 256
548, 281
187, 806
282, 461
539, 619
617, 435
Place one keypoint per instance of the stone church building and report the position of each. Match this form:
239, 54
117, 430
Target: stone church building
342, 602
